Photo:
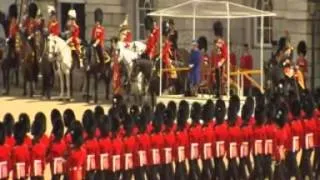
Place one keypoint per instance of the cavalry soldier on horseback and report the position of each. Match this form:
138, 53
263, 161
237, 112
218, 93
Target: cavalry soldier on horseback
53, 24
125, 33
98, 34
152, 41
13, 28
30, 23
74, 40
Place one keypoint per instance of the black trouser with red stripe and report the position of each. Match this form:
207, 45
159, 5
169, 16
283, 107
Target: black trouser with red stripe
207, 170
181, 171
305, 165
194, 170
219, 168
244, 166
292, 165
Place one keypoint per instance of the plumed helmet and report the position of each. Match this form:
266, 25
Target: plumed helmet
51, 10
183, 114
19, 133
259, 115
295, 108
281, 115
58, 129
220, 111
148, 22
77, 134
98, 15
105, 126
203, 43
165, 28
8, 122
13, 11
195, 113
72, 14
68, 117
218, 29
302, 48
33, 10
2, 134
88, 123
25, 120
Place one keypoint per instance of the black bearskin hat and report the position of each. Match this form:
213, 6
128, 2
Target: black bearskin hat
88, 123
33, 9
58, 129
98, 15
235, 103
114, 119
302, 48
232, 114
145, 117
2, 134
220, 111
183, 113
13, 11
308, 106
172, 106
19, 133
98, 113
168, 118
165, 28
203, 43
281, 115
55, 114
158, 118
68, 117
260, 100
295, 108
77, 134
134, 110
246, 113
259, 115
270, 111
282, 43
195, 113
218, 29
206, 113
128, 124
250, 103
117, 100
8, 122
25, 120
148, 22
37, 128
42, 124
105, 126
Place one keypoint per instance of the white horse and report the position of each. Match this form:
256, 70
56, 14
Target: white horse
60, 52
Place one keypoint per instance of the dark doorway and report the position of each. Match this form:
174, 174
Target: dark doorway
80, 9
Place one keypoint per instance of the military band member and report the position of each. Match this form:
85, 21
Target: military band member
53, 24
98, 33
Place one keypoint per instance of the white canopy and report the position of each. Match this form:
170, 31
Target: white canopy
206, 9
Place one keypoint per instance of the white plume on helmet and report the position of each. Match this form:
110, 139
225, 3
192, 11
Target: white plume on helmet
51, 9
125, 22
72, 13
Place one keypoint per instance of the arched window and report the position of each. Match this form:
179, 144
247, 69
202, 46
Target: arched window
265, 5
142, 7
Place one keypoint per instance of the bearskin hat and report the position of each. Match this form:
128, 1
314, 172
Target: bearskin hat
146, 110
183, 113
41, 118
317, 97
144, 118
260, 100
105, 126
88, 123
55, 114
68, 117
148, 21
8, 122
195, 113
208, 113
203, 43
128, 124
114, 119
250, 103
37, 128
19, 133
259, 115
98, 112
158, 118
220, 111
2, 134
98, 15
232, 114
165, 28
295, 108
33, 9
218, 29
302, 48
281, 115
270, 111
235, 103
58, 129
77, 134
25, 120
168, 118
308, 106
246, 113
173, 107
13, 11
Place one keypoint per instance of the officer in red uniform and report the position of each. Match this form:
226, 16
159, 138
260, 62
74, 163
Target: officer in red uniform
74, 40
208, 137
129, 148
76, 161
20, 153
195, 139
302, 62
152, 41
53, 24
125, 33
98, 34
246, 63
221, 57
221, 134
57, 150
182, 141
90, 145
30, 23
13, 28
5, 154
38, 150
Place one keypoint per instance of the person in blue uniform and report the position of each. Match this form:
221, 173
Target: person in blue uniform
194, 65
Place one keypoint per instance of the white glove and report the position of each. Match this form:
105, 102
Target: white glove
191, 65
220, 64
7, 40
95, 45
29, 37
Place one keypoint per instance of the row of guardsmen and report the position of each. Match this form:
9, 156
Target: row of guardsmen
162, 144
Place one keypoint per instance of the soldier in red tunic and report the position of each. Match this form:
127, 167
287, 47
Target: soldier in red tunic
152, 41
246, 63
8, 122
129, 148
116, 76
74, 40
20, 153
57, 151
208, 137
302, 62
53, 24
182, 141
76, 161
98, 33
5, 154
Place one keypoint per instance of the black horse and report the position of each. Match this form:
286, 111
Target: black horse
99, 70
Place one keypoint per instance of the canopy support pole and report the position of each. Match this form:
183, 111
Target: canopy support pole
261, 52
228, 58
160, 58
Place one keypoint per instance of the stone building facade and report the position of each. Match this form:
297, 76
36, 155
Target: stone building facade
296, 16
